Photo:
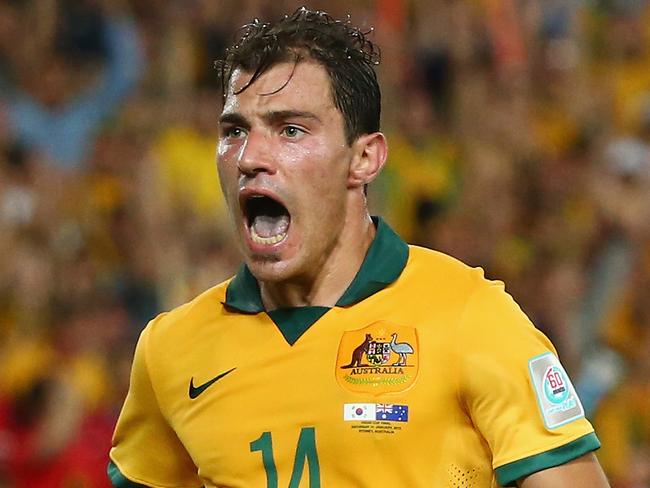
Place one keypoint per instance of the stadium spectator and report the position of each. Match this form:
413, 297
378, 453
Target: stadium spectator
50, 109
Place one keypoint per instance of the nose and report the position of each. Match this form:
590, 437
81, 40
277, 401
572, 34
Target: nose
255, 156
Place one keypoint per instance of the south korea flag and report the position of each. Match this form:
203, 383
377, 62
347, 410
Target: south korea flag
359, 411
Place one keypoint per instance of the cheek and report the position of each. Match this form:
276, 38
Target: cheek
227, 178
322, 166
323, 186
226, 154
330, 174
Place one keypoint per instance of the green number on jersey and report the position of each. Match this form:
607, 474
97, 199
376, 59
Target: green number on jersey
305, 452
265, 444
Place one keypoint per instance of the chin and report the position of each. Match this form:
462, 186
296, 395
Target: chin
270, 268
273, 264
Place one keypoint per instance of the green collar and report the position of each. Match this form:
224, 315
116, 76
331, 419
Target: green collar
382, 265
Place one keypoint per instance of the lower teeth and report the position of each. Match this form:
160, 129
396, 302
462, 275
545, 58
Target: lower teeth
267, 240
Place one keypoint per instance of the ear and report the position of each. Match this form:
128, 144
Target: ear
370, 152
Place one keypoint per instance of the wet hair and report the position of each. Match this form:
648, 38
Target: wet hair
342, 49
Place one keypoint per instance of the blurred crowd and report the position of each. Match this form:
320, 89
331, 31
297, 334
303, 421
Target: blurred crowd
519, 134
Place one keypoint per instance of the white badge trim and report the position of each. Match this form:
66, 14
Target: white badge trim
556, 397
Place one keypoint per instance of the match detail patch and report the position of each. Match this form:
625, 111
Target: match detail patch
558, 402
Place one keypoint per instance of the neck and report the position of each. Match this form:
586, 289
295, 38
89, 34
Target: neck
338, 269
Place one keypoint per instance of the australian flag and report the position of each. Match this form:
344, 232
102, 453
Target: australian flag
392, 412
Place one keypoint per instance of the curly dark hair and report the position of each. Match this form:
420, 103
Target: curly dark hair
342, 49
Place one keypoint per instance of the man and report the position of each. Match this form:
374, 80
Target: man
63, 124
338, 356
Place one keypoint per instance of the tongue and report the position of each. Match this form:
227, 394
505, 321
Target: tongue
269, 226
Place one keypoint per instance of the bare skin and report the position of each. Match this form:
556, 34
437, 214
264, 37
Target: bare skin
283, 137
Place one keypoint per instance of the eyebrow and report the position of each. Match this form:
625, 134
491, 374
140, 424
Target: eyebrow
280, 115
234, 118
271, 117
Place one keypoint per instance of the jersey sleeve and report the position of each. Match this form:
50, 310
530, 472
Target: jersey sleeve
146, 451
515, 390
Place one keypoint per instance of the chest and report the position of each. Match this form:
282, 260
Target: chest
360, 385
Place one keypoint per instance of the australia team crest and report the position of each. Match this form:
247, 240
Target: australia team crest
380, 358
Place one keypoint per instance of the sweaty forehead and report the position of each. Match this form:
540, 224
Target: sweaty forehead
298, 85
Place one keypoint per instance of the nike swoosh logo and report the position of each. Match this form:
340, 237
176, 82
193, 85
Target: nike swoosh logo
195, 391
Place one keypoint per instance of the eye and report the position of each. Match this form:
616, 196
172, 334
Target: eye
233, 132
291, 131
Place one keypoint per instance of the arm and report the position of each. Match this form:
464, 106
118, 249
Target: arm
123, 69
146, 450
583, 472
505, 365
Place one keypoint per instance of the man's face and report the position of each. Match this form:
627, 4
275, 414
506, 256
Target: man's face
283, 163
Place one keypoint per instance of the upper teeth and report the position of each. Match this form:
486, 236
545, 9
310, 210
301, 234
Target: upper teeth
267, 240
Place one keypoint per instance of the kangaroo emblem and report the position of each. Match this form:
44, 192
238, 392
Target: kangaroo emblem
357, 354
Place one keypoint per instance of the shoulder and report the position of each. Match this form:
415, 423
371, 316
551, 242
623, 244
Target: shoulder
441, 271
187, 320
483, 305
172, 345
431, 257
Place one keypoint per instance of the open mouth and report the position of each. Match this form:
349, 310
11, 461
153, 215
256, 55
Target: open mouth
267, 219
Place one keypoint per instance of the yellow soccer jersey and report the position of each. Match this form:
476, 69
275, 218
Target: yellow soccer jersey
424, 374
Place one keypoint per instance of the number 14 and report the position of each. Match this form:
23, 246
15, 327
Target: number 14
305, 452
